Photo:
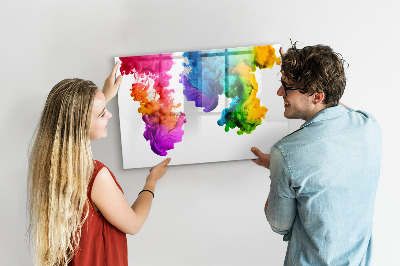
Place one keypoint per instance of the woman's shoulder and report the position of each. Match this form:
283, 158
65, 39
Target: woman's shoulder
97, 167
98, 164
101, 168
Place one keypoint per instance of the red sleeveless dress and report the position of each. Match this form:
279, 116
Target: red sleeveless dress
101, 243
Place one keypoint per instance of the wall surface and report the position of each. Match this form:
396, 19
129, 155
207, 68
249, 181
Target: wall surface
205, 214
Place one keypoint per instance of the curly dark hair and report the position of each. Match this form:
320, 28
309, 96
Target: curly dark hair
316, 69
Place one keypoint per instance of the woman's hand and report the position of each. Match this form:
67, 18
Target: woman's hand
158, 171
111, 85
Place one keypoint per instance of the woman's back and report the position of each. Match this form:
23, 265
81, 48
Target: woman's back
101, 243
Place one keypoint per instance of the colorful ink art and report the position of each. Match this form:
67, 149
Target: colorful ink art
163, 126
245, 111
192, 102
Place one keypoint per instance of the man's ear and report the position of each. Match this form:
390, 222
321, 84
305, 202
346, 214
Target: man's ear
318, 97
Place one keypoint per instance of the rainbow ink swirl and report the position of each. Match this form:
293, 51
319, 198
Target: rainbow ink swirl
163, 125
206, 75
204, 82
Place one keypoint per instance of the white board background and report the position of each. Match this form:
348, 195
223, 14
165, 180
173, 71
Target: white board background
203, 141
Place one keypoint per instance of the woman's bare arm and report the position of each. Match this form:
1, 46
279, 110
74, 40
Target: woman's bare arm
114, 206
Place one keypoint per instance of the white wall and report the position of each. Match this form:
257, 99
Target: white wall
207, 214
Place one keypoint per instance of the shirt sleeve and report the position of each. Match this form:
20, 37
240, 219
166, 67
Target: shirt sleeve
281, 210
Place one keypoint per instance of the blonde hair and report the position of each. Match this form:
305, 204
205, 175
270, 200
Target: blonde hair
60, 167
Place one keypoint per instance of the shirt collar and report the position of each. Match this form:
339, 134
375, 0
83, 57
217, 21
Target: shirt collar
325, 114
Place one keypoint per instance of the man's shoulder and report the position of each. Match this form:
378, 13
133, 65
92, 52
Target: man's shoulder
293, 141
322, 129
365, 116
360, 122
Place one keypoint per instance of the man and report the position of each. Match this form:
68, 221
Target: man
324, 175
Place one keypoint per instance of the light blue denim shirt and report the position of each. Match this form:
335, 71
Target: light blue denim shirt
323, 183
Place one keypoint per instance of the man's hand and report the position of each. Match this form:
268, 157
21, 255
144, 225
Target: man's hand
111, 85
345, 106
266, 206
263, 158
281, 52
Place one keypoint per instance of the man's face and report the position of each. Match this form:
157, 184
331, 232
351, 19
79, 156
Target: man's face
297, 104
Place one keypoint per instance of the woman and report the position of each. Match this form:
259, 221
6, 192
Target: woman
78, 212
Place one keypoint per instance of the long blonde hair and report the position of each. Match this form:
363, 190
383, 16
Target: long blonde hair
60, 168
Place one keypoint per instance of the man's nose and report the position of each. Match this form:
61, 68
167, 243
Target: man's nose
280, 91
